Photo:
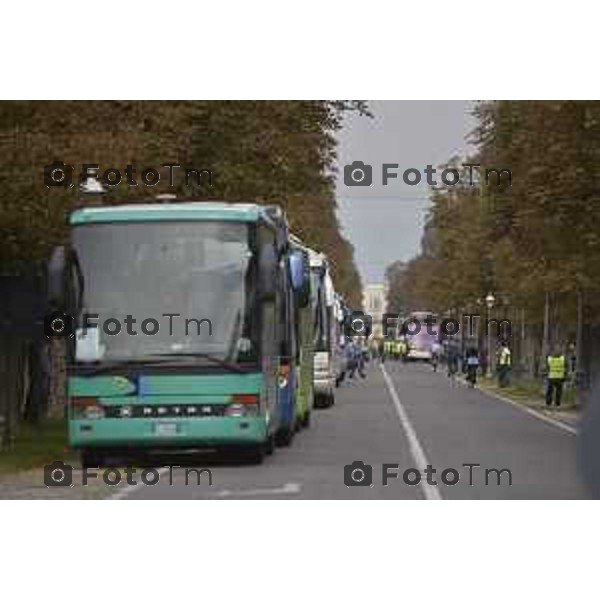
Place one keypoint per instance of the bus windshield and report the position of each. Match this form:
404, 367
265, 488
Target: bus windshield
182, 287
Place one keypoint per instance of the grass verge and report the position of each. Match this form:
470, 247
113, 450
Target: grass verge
36, 446
530, 393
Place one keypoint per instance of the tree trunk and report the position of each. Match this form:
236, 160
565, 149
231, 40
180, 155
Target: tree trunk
546, 333
579, 366
13, 374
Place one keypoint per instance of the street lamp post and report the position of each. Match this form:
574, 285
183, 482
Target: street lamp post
489, 302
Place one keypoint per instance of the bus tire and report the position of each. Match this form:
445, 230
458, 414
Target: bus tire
91, 459
285, 436
270, 445
306, 420
256, 454
321, 401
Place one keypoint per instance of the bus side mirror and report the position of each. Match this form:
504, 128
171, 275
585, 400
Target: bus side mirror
55, 277
298, 267
267, 272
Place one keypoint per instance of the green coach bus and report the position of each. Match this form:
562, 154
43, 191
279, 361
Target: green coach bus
304, 321
175, 325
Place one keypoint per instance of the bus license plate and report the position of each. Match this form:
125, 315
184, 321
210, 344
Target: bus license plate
165, 429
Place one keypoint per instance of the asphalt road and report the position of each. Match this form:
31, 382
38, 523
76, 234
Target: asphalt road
409, 417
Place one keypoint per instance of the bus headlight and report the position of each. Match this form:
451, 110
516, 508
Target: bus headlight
86, 407
242, 405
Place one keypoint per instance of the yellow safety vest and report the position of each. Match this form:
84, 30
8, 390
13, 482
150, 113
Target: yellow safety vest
556, 367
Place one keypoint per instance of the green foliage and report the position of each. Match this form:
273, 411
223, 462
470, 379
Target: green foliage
540, 234
261, 151
36, 446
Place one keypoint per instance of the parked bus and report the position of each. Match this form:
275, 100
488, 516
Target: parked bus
304, 323
420, 341
341, 315
325, 330
219, 269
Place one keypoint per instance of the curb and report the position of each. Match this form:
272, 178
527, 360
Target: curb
534, 413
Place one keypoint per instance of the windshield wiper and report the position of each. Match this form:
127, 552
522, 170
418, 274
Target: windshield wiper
95, 368
152, 360
218, 361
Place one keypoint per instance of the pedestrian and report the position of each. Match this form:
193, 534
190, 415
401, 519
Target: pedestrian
452, 352
386, 349
572, 360
484, 363
556, 370
472, 362
436, 351
351, 357
504, 364
361, 359
381, 348
348, 367
403, 349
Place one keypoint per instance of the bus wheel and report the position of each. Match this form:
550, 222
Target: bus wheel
331, 399
270, 445
320, 401
285, 437
306, 420
256, 454
91, 459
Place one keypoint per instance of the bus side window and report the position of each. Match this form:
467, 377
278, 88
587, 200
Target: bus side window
270, 318
284, 313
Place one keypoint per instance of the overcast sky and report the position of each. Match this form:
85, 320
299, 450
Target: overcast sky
385, 222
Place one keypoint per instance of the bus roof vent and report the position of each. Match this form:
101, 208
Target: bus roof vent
165, 198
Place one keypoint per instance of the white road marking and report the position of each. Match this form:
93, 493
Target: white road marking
288, 488
431, 492
531, 411
127, 490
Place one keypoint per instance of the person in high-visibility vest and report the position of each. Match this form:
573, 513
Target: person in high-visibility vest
387, 348
504, 364
403, 349
556, 371
397, 349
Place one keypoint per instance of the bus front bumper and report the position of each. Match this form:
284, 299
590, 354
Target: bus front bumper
419, 355
155, 432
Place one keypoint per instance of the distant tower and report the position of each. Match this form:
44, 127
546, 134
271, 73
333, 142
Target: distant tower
374, 304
